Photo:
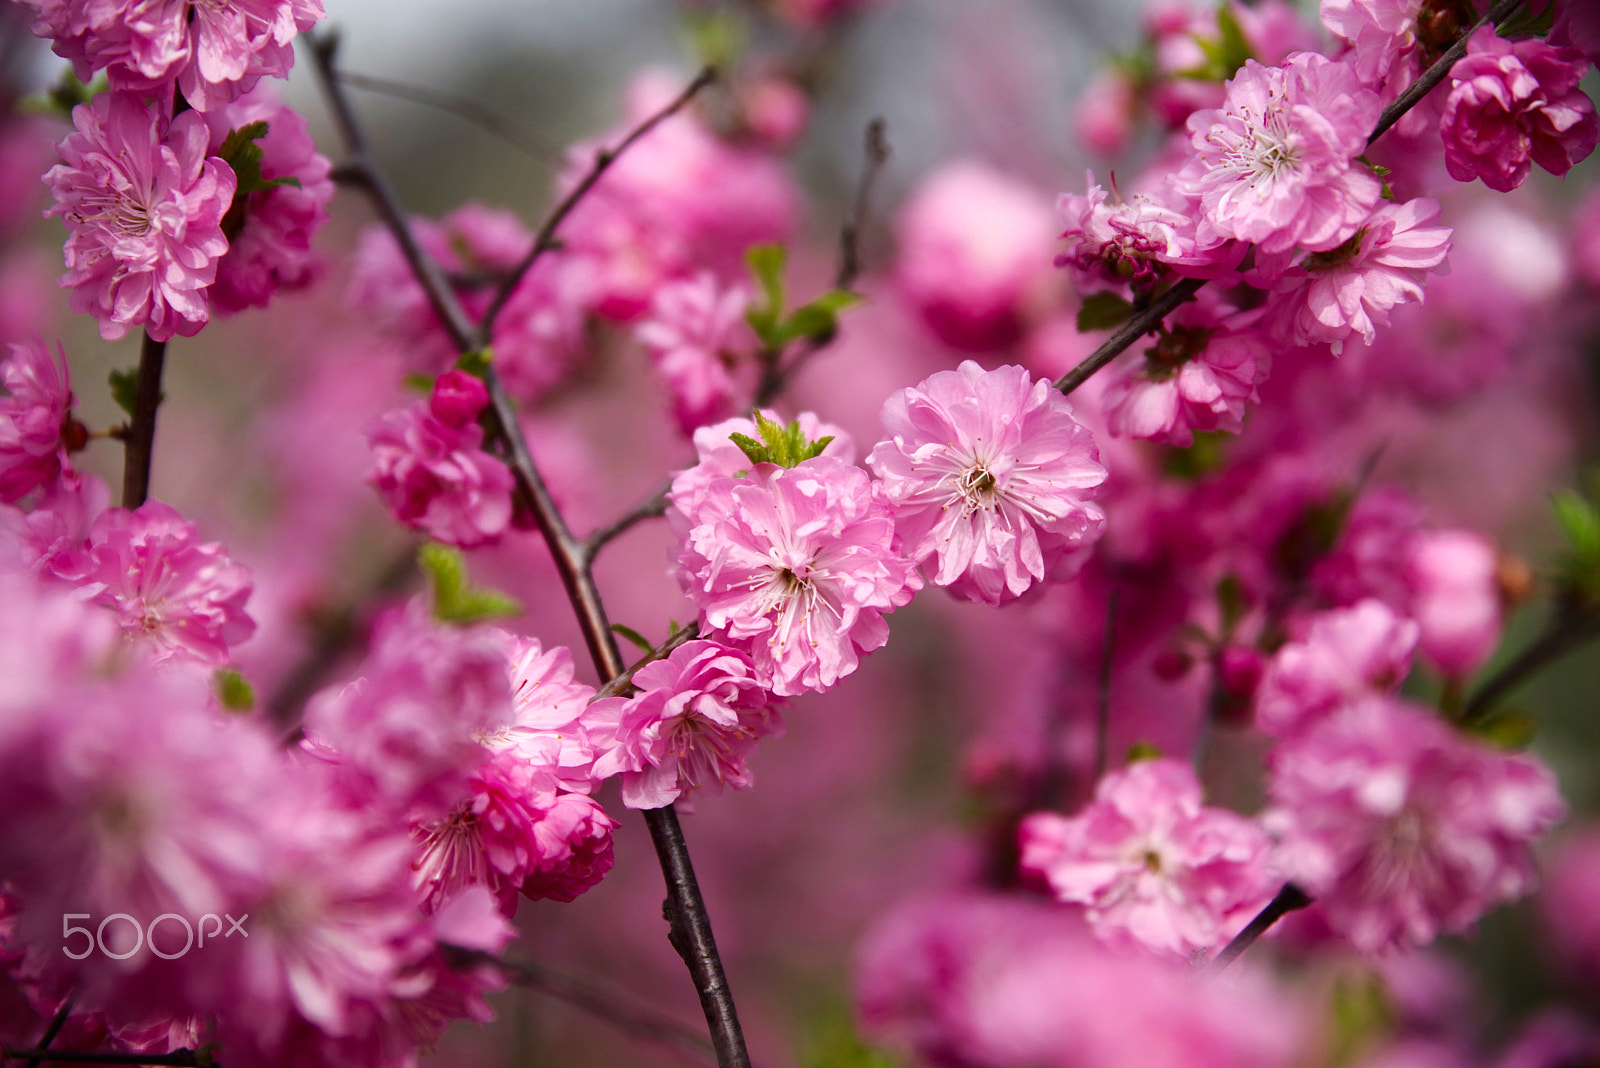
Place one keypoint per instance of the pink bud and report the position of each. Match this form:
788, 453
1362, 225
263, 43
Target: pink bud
458, 398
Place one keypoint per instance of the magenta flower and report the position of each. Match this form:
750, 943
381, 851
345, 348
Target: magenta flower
271, 250
1515, 104
182, 598
575, 849
1134, 241
696, 335
33, 419
1347, 655
430, 468
1454, 579
143, 208
213, 51
698, 719
1199, 375
1153, 866
989, 474
1275, 165
1328, 296
796, 567
1403, 828
974, 253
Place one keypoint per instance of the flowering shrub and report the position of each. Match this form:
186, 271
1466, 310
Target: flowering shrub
1194, 542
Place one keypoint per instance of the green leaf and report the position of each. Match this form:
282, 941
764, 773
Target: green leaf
1198, 460
419, 382
1231, 601
68, 92
454, 599
784, 445
1361, 1017
1225, 53
124, 387
240, 152
475, 363
752, 448
1508, 729
233, 692
632, 635
766, 264
1580, 522
715, 36
1142, 751
1102, 311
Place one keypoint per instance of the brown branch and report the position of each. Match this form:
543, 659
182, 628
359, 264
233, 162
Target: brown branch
57, 1022
1566, 632
690, 927
624, 681
1290, 898
545, 240
1147, 320
655, 506
490, 122
140, 441
633, 1018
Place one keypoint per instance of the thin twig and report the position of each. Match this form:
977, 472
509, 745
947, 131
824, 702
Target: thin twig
57, 1022
1439, 70
545, 240
624, 681
490, 122
656, 505
628, 1015
1290, 898
689, 925
140, 441
1565, 633
1147, 320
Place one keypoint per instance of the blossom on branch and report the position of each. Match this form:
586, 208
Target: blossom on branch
143, 206
33, 419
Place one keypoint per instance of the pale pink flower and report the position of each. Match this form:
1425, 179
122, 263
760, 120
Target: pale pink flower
796, 567
143, 207
989, 474
181, 598
33, 419
690, 731
696, 336
1199, 375
1275, 165
1134, 241
1401, 827
1514, 104
270, 251
1381, 33
1453, 576
1106, 111
974, 251
1328, 296
552, 725
1153, 866
430, 468
1346, 655
213, 51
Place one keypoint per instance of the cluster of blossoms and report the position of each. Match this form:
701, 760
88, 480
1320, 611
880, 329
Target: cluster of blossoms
1192, 705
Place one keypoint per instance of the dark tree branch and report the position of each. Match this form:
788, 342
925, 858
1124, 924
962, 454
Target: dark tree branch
655, 506
624, 682
1290, 898
490, 122
637, 1020
545, 240
1568, 631
140, 441
690, 926
183, 1058
1148, 319
56, 1024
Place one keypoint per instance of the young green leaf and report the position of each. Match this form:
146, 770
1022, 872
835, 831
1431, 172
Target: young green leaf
233, 691
624, 631
1102, 311
454, 599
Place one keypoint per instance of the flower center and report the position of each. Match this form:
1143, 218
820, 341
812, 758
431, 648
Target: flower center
978, 487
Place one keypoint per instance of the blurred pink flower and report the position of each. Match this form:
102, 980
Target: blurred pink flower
1346, 655
1512, 104
1402, 828
143, 207
33, 418
696, 335
1455, 597
1152, 865
1275, 165
989, 473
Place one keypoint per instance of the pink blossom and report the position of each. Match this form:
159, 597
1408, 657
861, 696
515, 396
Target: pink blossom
1136, 241
52, 539
1328, 296
1153, 866
1381, 32
1401, 827
989, 473
1346, 655
974, 253
408, 730
1453, 576
33, 419
796, 568
553, 726
1571, 925
1275, 165
213, 51
1199, 375
698, 718
575, 849
774, 109
1577, 26
1106, 112
1512, 104
143, 208
181, 598
719, 458
434, 474
270, 251
696, 336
